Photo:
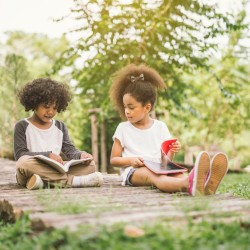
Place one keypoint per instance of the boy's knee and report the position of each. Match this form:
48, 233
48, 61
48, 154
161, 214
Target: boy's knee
91, 167
24, 163
21, 165
92, 164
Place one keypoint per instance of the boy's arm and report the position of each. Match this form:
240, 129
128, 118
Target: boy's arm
20, 143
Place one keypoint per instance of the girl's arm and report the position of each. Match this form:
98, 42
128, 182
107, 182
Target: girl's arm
117, 160
174, 148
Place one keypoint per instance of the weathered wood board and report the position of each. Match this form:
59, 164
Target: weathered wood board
109, 204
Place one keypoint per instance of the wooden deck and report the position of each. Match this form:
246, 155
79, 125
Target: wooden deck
111, 203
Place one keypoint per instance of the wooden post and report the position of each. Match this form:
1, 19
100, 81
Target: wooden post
103, 149
94, 135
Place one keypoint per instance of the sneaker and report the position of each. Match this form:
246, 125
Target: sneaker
92, 180
34, 182
198, 174
218, 169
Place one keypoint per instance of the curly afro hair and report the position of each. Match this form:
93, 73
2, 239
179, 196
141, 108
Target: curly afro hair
44, 90
140, 81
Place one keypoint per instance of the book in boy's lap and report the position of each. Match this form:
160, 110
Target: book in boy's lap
166, 166
62, 168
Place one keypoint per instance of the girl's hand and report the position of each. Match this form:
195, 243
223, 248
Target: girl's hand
136, 162
175, 147
55, 157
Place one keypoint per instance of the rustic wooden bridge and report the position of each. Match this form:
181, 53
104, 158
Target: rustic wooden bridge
111, 203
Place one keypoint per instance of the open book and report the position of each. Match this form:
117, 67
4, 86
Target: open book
166, 166
58, 166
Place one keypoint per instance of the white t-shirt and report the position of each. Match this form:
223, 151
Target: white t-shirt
145, 143
41, 140
31, 140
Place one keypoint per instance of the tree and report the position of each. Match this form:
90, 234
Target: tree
29, 56
174, 37
40, 51
171, 36
219, 103
13, 75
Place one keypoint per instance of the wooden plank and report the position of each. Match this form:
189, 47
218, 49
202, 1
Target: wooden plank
109, 204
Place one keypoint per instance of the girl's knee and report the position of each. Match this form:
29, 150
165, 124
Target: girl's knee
143, 177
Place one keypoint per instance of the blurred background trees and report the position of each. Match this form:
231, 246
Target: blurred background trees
197, 48
25, 57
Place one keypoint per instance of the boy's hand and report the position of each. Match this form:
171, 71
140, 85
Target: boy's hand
55, 157
86, 155
175, 147
136, 162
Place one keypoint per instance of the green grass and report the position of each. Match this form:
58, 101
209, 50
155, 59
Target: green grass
160, 236
236, 184
189, 204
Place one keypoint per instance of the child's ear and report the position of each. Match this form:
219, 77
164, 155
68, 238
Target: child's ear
148, 107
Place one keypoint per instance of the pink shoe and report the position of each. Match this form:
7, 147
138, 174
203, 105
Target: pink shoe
218, 169
198, 174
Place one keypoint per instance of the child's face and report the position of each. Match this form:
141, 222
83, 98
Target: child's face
134, 110
45, 112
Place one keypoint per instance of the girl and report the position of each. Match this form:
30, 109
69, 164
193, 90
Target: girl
133, 92
41, 134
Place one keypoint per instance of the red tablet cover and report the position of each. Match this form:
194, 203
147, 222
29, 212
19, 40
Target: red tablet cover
165, 145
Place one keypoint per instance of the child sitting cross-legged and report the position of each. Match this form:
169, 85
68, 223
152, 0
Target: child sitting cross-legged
41, 134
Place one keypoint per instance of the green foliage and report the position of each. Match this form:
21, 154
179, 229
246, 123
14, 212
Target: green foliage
40, 50
237, 185
177, 38
189, 205
10, 234
30, 56
77, 119
220, 121
171, 36
13, 75
217, 106
202, 235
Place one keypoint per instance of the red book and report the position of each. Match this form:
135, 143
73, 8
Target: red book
166, 166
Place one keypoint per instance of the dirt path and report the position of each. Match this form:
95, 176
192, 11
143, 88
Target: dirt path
111, 203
